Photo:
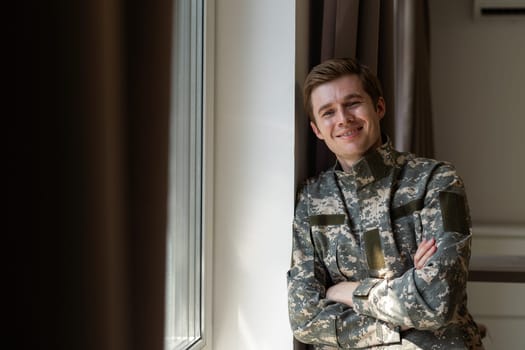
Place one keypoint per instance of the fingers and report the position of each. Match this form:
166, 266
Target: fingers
424, 251
422, 248
424, 259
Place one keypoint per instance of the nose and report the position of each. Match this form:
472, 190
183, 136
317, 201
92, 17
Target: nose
344, 116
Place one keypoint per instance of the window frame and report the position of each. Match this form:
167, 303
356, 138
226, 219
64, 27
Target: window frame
190, 178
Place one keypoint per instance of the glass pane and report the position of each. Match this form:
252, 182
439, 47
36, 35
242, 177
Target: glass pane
184, 253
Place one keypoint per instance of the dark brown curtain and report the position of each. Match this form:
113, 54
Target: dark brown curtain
93, 91
392, 38
412, 122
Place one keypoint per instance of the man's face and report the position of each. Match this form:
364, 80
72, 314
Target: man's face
346, 118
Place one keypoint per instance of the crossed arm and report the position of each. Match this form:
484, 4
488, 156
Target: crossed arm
362, 314
342, 292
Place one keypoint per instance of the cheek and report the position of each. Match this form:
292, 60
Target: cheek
373, 122
323, 125
327, 129
328, 123
318, 129
323, 131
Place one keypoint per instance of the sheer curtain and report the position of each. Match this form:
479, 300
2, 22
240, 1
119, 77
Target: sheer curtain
392, 39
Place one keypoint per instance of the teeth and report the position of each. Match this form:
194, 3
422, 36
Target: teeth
351, 132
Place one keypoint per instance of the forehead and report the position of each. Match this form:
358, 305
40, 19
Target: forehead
338, 89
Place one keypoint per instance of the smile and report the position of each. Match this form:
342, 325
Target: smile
350, 133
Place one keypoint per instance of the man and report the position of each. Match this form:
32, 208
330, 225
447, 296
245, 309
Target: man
381, 242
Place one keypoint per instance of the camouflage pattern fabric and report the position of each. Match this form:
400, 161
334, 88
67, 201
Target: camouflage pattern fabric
365, 226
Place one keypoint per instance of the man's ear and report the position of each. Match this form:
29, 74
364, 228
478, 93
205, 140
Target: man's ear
316, 131
381, 107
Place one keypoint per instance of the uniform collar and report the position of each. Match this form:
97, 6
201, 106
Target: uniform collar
374, 166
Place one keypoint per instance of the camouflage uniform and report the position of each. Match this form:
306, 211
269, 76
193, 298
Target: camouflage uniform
365, 226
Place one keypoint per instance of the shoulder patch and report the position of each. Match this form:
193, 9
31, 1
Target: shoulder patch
454, 212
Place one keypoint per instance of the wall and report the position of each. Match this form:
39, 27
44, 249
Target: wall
478, 84
254, 184
478, 96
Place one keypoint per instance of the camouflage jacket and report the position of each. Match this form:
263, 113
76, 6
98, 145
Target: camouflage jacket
365, 225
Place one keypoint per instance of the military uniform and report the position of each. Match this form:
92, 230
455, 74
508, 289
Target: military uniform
365, 225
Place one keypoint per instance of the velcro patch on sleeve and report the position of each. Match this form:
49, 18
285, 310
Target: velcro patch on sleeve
454, 212
327, 219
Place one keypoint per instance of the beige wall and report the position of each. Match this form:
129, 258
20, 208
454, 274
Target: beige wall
478, 92
478, 96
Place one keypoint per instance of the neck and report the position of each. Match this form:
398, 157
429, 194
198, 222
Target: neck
347, 164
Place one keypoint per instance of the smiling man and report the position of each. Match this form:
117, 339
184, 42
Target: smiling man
381, 241
347, 118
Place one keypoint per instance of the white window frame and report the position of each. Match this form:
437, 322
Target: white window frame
190, 207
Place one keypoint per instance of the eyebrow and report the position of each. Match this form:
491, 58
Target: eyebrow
346, 98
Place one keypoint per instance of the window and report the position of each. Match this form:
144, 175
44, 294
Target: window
185, 254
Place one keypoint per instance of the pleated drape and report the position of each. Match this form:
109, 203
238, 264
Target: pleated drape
412, 125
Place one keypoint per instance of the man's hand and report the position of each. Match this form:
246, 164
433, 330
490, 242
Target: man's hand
424, 251
342, 292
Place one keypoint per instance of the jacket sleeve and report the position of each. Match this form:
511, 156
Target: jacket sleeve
315, 319
429, 297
